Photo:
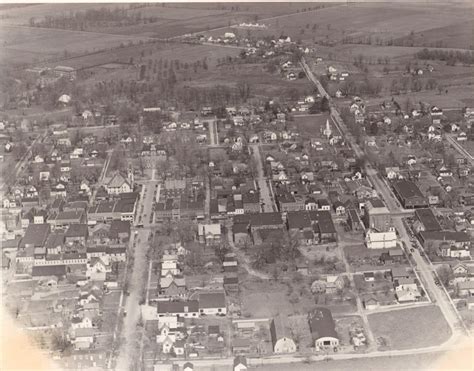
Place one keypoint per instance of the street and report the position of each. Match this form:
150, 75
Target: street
265, 192
128, 352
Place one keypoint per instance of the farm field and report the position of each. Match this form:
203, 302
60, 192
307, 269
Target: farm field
20, 15
21, 44
261, 82
458, 35
410, 328
384, 21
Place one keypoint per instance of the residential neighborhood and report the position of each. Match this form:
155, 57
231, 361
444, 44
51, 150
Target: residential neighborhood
237, 195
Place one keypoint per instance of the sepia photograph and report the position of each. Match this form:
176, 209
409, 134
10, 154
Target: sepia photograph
233, 186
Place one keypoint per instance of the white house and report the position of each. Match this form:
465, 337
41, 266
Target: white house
381, 240
118, 184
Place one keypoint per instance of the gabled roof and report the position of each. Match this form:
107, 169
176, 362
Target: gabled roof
117, 181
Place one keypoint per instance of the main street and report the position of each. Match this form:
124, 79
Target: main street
424, 269
265, 191
128, 355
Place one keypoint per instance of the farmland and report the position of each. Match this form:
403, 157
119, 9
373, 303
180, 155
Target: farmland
380, 21
22, 44
261, 82
410, 328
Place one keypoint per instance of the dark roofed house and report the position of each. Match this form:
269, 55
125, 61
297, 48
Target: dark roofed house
35, 235
240, 363
409, 194
299, 220
119, 231
185, 309
428, 220
77, 233
260, 221
323, 226
323, 329
212, 303
66, 218
241, 233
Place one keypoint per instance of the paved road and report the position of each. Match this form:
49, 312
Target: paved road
129, 350
443, 301
265, 191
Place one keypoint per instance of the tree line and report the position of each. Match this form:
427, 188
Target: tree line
450, 56
83, 20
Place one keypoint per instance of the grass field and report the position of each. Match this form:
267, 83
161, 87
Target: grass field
410, 328
262, 84
311, 126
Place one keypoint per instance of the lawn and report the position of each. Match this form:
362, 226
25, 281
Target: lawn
410, 328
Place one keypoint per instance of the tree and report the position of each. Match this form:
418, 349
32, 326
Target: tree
325, 105
445, 274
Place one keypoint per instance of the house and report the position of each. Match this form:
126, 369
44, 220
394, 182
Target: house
118, 184
209, 234
392, 172
240, 363
188, 366
173, 287
323, 329
212, 303
465, 289
182, 309
77, 233
381, 240
241, 346
83, 338
281, 335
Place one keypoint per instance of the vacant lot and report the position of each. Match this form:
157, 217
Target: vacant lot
410, 328
266, 299
311, 125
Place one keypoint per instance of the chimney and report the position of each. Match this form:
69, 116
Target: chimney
186, 309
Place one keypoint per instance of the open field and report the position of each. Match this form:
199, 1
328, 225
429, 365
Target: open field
457, 35
261, 82
184, 53
20, 15
256, 296
25, 44
410, 328
382, 21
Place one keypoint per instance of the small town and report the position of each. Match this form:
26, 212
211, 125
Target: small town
238, 188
